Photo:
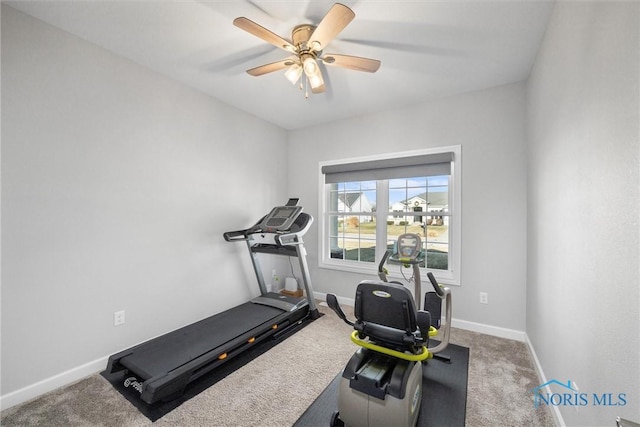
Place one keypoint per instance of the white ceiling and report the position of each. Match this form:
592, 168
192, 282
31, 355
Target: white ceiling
428, 49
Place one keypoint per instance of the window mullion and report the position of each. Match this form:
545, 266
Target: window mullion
382, 213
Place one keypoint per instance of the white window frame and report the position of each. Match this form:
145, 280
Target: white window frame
451, 276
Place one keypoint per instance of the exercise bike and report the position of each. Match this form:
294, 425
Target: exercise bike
381, 385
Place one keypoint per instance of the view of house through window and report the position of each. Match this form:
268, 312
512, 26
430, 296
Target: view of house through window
421, 206
415, 205
368, 202
352, 222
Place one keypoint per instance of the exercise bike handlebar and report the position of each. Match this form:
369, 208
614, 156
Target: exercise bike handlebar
332, 302
383, 261
444, 342
382, 273
435, 285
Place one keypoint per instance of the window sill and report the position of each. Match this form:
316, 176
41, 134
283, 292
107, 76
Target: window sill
443, 277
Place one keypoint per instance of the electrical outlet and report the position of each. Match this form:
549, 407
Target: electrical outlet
484, 298
118, 318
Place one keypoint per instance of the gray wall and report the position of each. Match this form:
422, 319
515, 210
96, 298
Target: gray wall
583, 185
117, 185
489, 125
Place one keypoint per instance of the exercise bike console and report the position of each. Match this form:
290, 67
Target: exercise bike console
408, 249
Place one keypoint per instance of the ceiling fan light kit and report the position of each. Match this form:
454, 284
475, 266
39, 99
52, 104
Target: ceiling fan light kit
307, 43
293, 73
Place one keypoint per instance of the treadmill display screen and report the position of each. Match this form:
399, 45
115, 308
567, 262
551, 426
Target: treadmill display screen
283, 212
281, 218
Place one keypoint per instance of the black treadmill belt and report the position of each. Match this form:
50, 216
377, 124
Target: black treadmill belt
170, 351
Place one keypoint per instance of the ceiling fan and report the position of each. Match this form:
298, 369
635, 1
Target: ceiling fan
307, 45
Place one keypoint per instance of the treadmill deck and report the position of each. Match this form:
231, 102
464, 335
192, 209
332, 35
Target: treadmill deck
163, 354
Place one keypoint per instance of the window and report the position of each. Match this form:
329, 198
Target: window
368, 202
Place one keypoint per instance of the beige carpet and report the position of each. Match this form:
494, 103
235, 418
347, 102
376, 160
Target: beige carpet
277, 387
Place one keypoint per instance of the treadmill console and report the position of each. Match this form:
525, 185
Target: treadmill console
283, 226
280, 218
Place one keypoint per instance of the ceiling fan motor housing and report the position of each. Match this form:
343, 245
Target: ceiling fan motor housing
300, 36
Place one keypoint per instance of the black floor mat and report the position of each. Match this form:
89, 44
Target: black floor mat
444, 397
159, 409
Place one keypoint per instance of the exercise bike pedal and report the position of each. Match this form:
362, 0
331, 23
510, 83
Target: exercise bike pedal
443, 358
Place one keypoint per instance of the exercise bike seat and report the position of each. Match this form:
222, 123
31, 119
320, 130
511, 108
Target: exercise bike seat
386, 314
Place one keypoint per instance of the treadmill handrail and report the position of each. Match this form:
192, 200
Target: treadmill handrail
235, 236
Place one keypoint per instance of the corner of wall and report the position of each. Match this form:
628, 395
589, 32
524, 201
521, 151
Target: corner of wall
557, 416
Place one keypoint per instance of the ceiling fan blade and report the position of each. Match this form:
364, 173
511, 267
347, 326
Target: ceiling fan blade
333, 22
261, 32
270, 68
352, 62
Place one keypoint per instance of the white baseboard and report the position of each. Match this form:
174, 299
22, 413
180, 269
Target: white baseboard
321, 296
49, 384
555, 411
496, 331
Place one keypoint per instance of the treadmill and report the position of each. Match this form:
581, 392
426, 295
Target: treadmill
161, 368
